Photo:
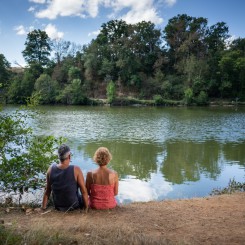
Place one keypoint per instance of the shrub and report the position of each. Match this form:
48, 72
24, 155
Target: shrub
24, 157
188, 96
233, 186
111, 92
202, 98
158, 99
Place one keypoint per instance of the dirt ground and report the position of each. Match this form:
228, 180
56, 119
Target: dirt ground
209, 220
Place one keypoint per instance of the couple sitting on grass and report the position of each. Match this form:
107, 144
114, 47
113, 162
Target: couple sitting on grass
65, 180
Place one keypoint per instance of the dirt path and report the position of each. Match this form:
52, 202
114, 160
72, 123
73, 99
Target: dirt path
211, 220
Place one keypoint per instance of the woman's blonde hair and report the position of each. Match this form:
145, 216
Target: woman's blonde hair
102, 156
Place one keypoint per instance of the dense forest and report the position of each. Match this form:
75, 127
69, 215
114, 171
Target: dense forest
187, 61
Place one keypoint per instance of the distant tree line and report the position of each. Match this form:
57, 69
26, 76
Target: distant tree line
188, 61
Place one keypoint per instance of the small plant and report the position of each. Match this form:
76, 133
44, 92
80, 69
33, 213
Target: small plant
158, 99
188, 96
233, 186
111, 92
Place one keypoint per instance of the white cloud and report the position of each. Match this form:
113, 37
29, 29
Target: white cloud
50, 29
20, 30
94, 33
52, 32
135, 16
229, 40
38, 1
31, 9
170, 3
135, 190
62, 8
137, 10
93, 7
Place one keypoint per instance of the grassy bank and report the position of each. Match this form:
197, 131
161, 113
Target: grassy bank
130, 101
210, 220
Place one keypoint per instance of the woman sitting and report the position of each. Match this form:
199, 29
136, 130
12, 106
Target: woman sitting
102, 183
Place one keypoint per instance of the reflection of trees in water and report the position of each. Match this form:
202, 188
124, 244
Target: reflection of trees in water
186, 161
235, 152
136, 159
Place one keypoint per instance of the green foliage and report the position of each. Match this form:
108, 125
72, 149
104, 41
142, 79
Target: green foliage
24, 157
158, 99
202, 98
138, 59
4, 71
14, 94
188, 96
46, 89
73, 94
135, 81
111, 92
233, 186
37, 48
74, 73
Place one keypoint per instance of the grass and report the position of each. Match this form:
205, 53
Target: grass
131, 101
12, 236
80, 233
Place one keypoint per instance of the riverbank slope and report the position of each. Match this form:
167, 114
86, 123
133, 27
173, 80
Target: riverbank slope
209, 220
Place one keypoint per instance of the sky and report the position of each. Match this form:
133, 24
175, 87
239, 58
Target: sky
79, 21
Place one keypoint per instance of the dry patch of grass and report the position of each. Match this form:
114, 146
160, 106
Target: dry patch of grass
95, 227
210, 220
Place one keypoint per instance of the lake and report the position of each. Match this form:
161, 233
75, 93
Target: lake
159, 152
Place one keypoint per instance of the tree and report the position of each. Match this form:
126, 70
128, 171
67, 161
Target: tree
24, 157
60, 49
216, 42
46, 89
232, 67
184, 36
4, 71
14, 94
74, 73
37, 48
111, 92
73, 93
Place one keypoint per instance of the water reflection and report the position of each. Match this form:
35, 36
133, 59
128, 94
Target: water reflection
186, 161
158, 152
149, 171
136, 159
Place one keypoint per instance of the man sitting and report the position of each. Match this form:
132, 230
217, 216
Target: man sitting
63, 180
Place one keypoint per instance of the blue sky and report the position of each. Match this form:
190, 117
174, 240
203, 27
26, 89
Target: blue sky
80, 20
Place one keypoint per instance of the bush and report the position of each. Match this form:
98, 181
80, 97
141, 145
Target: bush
24, 157
111, 92
233, 186
202, 98
188, 96
158, 99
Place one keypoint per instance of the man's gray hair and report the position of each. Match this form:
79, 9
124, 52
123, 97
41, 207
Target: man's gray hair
63, 152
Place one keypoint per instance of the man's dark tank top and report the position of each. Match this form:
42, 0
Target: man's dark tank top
64, 188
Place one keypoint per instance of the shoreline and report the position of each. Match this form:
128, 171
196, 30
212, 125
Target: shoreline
208, 220
149, 103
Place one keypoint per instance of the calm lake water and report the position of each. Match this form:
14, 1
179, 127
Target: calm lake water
159, 153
